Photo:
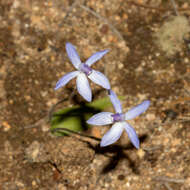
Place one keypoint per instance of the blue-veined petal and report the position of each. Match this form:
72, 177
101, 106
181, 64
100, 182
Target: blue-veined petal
132, 134
137, 110
66, 78
73, 55
112, 135
115, 101
100, 79
103, 118
83, 87
95, 57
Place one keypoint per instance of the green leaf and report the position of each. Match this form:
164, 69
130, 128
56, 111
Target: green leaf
74, 118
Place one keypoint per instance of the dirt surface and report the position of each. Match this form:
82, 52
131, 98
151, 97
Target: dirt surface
149, 58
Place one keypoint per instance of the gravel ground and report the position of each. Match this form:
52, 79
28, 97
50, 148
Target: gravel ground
148, 59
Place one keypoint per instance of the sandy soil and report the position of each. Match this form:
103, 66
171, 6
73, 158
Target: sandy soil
149, 59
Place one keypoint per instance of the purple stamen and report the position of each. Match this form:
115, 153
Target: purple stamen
85, 69
118, 117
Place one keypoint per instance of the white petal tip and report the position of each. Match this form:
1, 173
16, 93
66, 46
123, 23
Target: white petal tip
68, 43
135, 142
137, 146
105, 142
88, 121
102, 144
147, 102
91, 121
106, 51
107, 86
89, 100
57, 87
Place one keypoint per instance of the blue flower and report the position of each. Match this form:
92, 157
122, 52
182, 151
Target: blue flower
105, 118
83, 72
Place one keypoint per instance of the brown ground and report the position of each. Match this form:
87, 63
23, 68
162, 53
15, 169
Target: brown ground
149, 59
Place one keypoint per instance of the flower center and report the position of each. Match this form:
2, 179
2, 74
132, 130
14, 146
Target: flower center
85, 69
118, 117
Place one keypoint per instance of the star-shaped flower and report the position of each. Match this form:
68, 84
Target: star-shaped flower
105, 118
83, 72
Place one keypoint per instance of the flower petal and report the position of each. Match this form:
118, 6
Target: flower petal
95, 57
100, 79
112, 135
103, 118
66, 78
73, 55
137, 110
83, 87
132, 135
115, 101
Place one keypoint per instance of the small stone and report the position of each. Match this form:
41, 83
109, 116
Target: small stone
51, 102
166, 141
176, 142
186, 60
6, 126
95, 131
120, 66
45, 128
33, 183
117, 18
36, 152
157, 54
187, 182
27, 97
43, 93
30, 110
61, 187
16, 4
141, 96
125, 16
141, 153
150, 117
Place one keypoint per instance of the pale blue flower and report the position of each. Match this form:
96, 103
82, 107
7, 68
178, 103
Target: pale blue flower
105, 118
83, 72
